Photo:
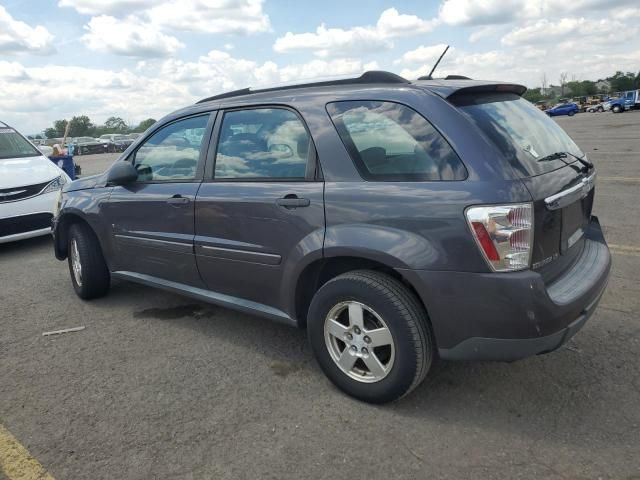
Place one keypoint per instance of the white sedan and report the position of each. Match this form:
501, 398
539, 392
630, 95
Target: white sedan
30, 184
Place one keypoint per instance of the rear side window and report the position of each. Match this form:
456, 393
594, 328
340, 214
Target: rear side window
527, 136
392, 142
262, 143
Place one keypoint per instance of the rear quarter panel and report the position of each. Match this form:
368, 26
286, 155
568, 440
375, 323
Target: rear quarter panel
416, 225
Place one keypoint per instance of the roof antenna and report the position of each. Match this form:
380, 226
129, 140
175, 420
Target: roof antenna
429, 77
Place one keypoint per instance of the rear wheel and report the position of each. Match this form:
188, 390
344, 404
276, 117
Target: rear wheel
370, 336
89, 273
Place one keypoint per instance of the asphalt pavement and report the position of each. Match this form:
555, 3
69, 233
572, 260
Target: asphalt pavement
161, 386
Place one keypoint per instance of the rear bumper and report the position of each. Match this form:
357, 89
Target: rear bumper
508, 316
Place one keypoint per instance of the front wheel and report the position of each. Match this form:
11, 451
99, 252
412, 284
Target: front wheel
370, 335
571, 114
89, 273
616, 109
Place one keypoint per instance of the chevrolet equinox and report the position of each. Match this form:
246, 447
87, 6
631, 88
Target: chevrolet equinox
397, 221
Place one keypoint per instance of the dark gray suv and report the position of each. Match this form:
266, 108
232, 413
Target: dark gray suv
397, 221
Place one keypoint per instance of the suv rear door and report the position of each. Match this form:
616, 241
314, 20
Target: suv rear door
551, 166
152, 219
260, 208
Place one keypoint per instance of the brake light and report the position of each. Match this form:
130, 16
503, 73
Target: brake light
504, 234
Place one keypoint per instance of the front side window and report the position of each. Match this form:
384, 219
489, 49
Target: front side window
172, 153
392, 142
262, 143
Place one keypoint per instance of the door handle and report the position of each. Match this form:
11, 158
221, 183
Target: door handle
292, 201
178, 200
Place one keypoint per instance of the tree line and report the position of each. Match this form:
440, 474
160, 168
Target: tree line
81, 126
619, 82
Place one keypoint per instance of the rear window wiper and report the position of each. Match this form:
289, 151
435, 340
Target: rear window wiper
560, 155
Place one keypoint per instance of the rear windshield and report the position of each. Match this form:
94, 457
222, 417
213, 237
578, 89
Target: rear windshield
13, 145
526, 135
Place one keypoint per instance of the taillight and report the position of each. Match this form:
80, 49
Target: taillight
504, 234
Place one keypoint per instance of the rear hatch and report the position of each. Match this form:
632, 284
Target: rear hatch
552, 167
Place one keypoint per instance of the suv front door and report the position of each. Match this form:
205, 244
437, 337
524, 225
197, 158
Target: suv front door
261, 209
152, 219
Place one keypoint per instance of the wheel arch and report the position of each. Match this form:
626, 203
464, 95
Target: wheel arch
320, 271
63, 225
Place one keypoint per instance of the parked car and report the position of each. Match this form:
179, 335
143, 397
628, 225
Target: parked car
29, 186
563, 109
541, 105
122, 142
116, 142
599, 108
87, 145
397, 221
46, 150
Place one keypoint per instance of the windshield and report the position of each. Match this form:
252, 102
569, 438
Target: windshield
527, 136
13, 145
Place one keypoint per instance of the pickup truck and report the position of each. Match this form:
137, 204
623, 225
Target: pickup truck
626, 101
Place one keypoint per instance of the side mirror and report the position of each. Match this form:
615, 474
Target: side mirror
122, 173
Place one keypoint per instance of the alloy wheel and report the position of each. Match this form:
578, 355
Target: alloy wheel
76, 266
359, 341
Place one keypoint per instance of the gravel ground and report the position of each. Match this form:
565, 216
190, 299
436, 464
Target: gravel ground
160, 386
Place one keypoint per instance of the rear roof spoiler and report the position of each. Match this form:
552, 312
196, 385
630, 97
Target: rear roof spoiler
490, 88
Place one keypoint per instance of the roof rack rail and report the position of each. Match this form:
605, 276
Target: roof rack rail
371, 76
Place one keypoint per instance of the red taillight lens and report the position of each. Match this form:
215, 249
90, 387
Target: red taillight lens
485, 242
504, 233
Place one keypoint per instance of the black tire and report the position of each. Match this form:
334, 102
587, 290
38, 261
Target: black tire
571, 114
600, 109
616, 109
94, 276
405, 318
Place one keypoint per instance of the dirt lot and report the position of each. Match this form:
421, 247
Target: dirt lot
160, 386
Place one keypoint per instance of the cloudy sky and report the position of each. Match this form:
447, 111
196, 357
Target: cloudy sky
144, 58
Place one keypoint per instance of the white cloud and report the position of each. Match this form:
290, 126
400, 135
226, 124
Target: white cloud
483, 33
204, 16
33, 97
494, 12
356, 40
107, 7
482, 12
598, 32
393, 24
18, 37
218, 71
210, 16
130, 38
525, 64
424, 54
